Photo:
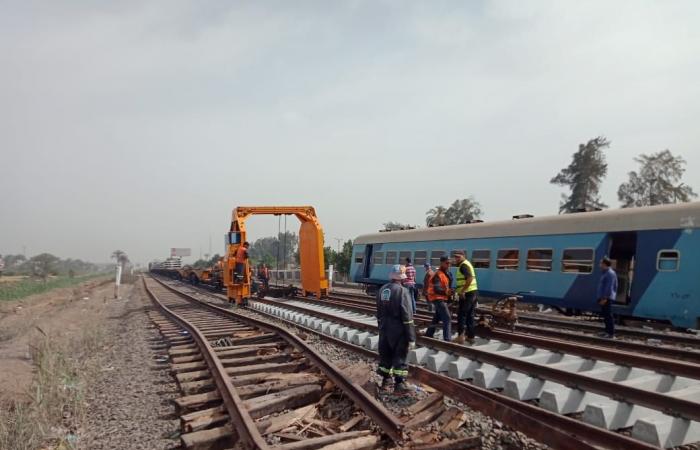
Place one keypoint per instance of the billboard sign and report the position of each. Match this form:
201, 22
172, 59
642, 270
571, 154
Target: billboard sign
180, 252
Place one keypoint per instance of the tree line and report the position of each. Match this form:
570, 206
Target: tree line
44, 265
657, 181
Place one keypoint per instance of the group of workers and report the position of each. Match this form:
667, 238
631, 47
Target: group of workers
396, 305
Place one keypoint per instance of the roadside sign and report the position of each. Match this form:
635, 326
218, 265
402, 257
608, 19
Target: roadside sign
180, 252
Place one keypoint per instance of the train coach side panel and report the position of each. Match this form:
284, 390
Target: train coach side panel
669, 294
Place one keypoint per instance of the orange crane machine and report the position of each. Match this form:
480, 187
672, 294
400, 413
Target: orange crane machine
313, 274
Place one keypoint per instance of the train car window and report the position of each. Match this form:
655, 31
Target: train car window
419, 258
668, 261
403, 256
435, 256
391, 258
481, 259
539, 260
378, 258
297, 275
508, 259
359, 257
577, 260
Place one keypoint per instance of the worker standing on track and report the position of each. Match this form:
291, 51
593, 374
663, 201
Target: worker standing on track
607, 292
396, 330
410, 282
426, 281
439, 293
241, 258
467, 297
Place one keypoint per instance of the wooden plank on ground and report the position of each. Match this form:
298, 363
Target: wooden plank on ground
291, 398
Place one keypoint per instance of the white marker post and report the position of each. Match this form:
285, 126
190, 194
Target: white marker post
330, 278
117, 280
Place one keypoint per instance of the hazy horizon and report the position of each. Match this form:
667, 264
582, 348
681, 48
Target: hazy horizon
140, 125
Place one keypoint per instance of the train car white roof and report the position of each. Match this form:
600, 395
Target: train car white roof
662, 217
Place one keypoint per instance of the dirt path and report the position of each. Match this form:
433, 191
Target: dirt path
61, 312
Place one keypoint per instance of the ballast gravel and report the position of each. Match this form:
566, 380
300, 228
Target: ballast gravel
129, 406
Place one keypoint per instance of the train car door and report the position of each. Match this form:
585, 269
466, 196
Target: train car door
367, 263
623, 252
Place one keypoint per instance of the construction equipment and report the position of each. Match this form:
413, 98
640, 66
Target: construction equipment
503, 313
313, 274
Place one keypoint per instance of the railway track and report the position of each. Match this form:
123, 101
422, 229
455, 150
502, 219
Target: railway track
676, 345
657, 399
248, 381
518, 377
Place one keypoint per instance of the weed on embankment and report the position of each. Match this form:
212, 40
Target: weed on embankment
53, 415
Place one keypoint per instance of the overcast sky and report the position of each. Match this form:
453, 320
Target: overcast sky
139, 125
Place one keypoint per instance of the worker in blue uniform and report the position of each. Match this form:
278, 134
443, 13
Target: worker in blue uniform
396, 330
607, 293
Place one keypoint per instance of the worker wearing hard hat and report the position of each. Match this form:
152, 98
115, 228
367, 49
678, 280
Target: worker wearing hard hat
396, 330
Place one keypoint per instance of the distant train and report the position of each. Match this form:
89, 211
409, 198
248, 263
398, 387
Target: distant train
655, 250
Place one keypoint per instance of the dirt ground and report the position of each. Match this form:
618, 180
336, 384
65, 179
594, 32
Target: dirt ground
62, 312
128, 398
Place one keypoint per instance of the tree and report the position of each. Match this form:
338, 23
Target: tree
460, 211
463, 211
121, 257
393, 226
436, 216
656, 182
271, 250
43, 265
344, 258
584, 176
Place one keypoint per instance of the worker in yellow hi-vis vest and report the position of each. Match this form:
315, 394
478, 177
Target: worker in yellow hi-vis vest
467, 295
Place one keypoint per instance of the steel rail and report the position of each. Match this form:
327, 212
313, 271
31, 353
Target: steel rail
669, 366
555, 430
654, 400
244, 424
665, 352
375, 410
676, 338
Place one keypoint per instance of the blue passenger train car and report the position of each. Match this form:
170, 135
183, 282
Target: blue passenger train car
655, 251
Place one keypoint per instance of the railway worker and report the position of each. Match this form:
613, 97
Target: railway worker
426, 280
467, 297
241, 258
396, 330
264, 275
439, 293
607, 292
410, 282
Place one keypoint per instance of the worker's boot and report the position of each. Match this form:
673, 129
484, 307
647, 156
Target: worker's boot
470, 341
386, 382
460, 338
401, 388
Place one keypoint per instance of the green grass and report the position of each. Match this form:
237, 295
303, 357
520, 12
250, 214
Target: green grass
27, 287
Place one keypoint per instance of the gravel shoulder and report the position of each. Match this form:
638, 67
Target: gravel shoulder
130, 402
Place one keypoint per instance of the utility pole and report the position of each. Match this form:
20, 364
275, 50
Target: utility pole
339, 240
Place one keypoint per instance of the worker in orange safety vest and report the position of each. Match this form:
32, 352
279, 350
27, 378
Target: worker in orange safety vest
439, 293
